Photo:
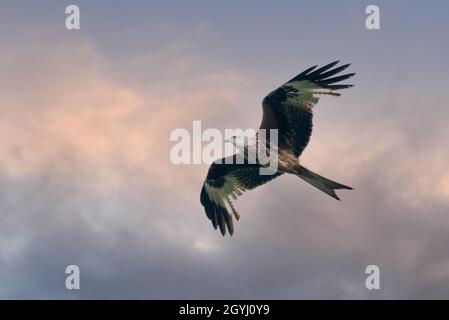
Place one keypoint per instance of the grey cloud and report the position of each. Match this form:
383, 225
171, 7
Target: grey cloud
133, 222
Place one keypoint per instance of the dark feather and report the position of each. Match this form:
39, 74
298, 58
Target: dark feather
337, 79
293, 119
322, 69
334, 71
302, 74
248, 177
340, 86
221, 220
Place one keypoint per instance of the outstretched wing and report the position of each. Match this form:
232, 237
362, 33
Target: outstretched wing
289, 108
226, 181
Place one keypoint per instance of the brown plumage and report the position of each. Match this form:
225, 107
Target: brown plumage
289, 109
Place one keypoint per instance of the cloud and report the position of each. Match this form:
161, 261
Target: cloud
80, 152
86, 179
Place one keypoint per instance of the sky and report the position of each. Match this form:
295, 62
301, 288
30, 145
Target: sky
86, 178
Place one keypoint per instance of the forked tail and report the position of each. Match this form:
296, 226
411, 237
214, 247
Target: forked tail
320, 182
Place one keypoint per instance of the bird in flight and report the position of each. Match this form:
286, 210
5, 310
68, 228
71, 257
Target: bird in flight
289, 109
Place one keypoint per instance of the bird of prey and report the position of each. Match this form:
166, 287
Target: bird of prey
289, 109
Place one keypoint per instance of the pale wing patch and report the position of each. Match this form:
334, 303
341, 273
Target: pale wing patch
304, 93
231, 188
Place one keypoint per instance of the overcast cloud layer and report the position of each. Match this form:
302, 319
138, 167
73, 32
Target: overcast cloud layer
85, 176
